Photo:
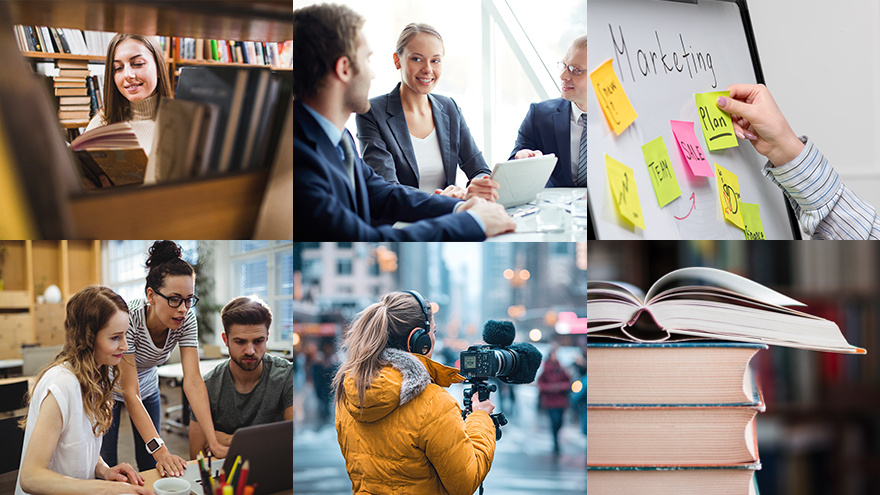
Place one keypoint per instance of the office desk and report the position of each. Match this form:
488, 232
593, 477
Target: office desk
175, 373
527, 228
152, 476
7, 364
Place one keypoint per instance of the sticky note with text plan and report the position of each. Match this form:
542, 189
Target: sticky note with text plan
616, 106
715, 122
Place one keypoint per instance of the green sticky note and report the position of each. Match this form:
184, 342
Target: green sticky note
753, 230
624, 191
661, 172
716, 124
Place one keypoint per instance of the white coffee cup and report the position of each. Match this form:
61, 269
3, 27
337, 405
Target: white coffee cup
171, 486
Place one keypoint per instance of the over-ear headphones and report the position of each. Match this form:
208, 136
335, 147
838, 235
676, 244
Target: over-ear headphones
419, 341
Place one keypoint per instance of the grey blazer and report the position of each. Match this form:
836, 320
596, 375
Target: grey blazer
386, 145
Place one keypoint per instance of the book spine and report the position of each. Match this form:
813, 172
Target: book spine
29, 32
61, 36
48, 40
96, 84
214, 54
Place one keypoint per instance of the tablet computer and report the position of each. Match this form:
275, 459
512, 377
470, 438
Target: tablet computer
521, 180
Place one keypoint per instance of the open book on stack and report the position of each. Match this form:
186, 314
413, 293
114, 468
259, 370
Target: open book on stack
731, 308
112, 150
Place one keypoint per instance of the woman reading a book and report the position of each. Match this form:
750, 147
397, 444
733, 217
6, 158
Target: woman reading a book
398, 429
418, 139
70, 408
135, 80
157, 324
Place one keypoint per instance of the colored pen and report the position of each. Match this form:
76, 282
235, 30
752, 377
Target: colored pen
235, 464
242, 477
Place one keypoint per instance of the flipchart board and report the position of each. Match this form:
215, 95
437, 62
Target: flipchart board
659, 54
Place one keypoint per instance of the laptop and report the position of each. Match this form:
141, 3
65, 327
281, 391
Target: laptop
521, 180
268, 447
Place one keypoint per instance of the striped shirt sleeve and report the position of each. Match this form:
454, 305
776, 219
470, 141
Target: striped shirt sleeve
825, 207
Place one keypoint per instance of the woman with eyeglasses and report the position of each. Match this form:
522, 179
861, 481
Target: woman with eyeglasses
413, 137
559, 126
158, 323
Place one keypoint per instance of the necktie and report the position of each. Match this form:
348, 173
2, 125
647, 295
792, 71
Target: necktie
348, 158
582, 158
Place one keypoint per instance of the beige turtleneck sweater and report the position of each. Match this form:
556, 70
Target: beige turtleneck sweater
143, 121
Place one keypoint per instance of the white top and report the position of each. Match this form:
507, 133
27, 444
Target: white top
78, 449
432, 175
576, 130
147, 355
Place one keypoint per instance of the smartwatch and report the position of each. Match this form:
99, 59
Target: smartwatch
154, 445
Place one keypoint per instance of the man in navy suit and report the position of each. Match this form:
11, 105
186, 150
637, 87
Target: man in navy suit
556, 126
336, 195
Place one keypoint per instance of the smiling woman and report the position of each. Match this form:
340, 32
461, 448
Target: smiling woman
135, 80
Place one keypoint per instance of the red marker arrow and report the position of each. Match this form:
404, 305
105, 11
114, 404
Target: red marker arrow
693, 207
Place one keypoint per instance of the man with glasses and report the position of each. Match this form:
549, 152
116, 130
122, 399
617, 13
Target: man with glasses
559, 125
251, 387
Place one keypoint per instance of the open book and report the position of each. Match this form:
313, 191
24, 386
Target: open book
731, 308
112, 150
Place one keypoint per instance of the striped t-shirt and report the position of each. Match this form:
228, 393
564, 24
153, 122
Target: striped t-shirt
147, 355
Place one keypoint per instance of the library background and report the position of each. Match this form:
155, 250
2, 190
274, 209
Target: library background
820, 433
221, 144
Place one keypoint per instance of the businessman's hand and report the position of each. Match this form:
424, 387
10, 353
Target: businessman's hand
452, 191
496, 220
483, 187
756, 117
527, 154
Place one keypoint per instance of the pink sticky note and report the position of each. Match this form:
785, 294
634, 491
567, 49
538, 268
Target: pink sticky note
690, 148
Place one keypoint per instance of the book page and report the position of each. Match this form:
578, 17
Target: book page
727, 280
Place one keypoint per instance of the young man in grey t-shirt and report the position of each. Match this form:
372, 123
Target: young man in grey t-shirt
251, 387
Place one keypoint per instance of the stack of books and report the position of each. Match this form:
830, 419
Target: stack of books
71, 88
671, 399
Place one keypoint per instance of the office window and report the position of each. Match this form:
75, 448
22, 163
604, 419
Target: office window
343, 266
126, 263
267, 272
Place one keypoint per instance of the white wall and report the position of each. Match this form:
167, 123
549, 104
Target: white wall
821, 61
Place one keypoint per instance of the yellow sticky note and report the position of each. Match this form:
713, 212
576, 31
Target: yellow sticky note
754, 229
661, 171
728, 193
623, 188
716, 124
615, 105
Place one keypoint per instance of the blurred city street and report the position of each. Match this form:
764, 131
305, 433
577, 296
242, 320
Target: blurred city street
539, 287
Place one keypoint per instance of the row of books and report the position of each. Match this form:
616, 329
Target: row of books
78, 93
62, 40
278, 55
672, 400
222, 119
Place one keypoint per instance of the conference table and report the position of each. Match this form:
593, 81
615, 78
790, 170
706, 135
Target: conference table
527, 228
152, 476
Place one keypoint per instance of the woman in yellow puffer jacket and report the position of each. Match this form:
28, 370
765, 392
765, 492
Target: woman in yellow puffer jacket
399, 430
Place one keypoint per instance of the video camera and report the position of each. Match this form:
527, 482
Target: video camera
499, 358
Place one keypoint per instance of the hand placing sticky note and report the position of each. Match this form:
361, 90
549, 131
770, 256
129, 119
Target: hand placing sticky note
618, 111
624, 191
716, 124
690, 148
661, 172
753, 230
728, 193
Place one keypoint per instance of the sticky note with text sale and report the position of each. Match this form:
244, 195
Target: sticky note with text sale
660, 169
715, 122
624, 191
728, 194
617, 108
690, 148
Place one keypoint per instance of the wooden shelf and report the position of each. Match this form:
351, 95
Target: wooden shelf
192, 62
257, 20
62, 56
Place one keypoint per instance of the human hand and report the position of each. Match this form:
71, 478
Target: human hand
123, 472
496, 220
483, 187
452, 191
756, 117
486, 405
219, 451
527, 154
168, 464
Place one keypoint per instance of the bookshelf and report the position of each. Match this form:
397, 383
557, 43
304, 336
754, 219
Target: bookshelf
224, 207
